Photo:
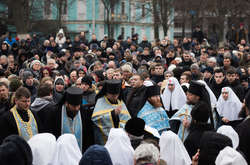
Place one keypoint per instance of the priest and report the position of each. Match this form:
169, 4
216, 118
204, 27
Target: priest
20, 120
180, 122
152, 112
110, 111
70, 117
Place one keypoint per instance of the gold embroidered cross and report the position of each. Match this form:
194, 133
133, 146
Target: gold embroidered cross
186, 115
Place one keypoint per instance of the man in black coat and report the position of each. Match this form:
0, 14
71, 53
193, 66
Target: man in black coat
186, 61
198, 34
218, 82
200, 115
70, 117
243, 130
136, 96
28, 82
235, 84
4, 98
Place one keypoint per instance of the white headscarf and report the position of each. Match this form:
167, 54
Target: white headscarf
231, 133
43, 148
68, 151
177, 97
231, 107
172, 149
213, 98
229, 156
119, 147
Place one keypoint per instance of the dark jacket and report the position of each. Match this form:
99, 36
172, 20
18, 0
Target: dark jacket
192, 142
5, 106
198, 35
185, 65
211, 143
136, 100
144, 44
8, 123
238, 89
216, 88
41, 103
243, 131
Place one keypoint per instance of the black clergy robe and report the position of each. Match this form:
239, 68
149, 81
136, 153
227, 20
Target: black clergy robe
243, 131
52, 118
8, 124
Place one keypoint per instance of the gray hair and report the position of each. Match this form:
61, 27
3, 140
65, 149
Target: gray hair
147, 153
212, 59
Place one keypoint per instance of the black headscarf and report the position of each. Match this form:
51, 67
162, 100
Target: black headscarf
15, 151
199, 89
210, 145
96, 155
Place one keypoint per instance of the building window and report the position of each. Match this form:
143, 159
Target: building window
64, 7
123, 7
143, 11
132, 31
47, 10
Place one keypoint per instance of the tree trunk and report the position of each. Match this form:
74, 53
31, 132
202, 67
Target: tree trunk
108, 23
59, 12
156, 19
165, 29
20, 10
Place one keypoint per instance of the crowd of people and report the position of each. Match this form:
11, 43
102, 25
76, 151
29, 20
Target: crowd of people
124, 101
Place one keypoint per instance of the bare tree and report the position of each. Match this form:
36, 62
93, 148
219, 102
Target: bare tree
19, 14
109, 6
166, 8
62, 7
161, 11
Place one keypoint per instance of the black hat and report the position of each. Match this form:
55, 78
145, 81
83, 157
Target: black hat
15, 150
200, 112
153, 91
59, 81
135, 126
208, 69
196, 88
74, 95
87, 80
113, 86
211, 144
60, 54
96, 154
244, 78
26, 75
